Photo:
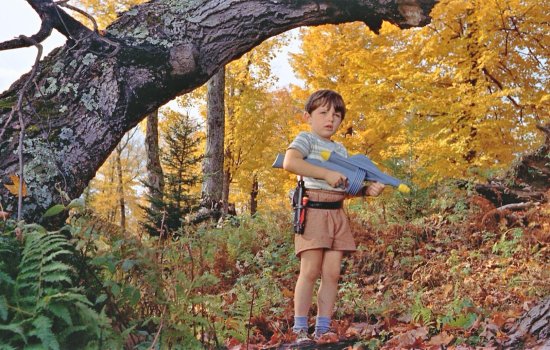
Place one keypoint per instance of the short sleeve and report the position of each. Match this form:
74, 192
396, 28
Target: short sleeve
302, 143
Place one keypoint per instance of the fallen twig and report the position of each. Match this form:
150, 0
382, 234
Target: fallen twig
515, 206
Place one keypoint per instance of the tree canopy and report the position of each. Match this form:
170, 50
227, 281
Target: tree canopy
87, 94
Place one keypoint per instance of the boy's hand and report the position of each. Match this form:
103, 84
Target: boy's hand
374, 189
335, 179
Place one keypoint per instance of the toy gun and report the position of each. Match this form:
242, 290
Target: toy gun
357, 169
299, 204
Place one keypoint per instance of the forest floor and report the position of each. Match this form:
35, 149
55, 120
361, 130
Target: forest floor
453, 281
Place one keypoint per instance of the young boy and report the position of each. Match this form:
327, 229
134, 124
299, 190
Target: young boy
327, 235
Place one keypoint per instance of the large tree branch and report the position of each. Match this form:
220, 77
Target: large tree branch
85, 97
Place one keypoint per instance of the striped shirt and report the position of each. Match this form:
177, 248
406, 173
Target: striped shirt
311, 145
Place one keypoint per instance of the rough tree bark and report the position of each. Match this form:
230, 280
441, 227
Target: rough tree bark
532, 330
212, 185
88, 93
155, 175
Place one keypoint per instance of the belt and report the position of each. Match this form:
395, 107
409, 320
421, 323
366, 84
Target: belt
324, 205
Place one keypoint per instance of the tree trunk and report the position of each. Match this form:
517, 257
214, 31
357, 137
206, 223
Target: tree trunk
120, 187
111, 217
155, 176
225, 194
254, 196
212, 186
87, 94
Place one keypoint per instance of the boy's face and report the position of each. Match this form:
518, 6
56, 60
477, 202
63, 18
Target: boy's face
324, 121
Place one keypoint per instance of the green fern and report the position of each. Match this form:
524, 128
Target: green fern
40, 306
419, 312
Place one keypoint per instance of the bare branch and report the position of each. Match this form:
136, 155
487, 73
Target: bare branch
83, 13
52, 17
501, 87
22, 41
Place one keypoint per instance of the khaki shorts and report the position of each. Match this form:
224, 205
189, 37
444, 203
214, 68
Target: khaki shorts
325, 228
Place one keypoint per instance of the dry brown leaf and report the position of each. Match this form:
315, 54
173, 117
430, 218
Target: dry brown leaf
328, 338
356, 329
14, 189
288, 293
411, 339
442, 338
499, 319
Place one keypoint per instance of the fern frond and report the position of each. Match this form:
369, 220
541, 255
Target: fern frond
9, 260
45, 245
29, 287
40, 265
61, 311
57, 276
16, 328
72, 329
37, 292
6, 279
70, 296
55, 266
3, 308
43, 331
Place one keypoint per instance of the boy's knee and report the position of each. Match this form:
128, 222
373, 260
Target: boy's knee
311, 274
330, 275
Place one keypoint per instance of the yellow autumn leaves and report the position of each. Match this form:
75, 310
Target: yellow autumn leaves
461, 96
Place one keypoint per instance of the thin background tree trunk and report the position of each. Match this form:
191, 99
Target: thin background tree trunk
120, 187
212, 186
155, 175
254, 196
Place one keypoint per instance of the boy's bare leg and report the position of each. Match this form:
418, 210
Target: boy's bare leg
330, 273
310, 269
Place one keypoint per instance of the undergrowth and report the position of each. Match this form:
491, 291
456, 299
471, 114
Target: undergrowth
441, 259
42, 306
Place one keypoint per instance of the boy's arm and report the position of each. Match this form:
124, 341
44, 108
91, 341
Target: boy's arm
295, 163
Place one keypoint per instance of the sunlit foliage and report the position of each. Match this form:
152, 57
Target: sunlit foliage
461, 95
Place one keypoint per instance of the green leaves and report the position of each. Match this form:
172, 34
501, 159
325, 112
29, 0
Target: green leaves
56, 209
77, 203
3, 308
40, 305
43, 330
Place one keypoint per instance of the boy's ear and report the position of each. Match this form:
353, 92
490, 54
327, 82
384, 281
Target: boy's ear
306, 116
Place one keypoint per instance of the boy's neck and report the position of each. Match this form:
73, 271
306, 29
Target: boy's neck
319, 136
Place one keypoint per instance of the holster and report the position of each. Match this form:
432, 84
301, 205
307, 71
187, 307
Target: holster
299, 204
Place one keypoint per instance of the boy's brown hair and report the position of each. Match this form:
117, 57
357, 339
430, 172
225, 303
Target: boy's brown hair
323, 97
